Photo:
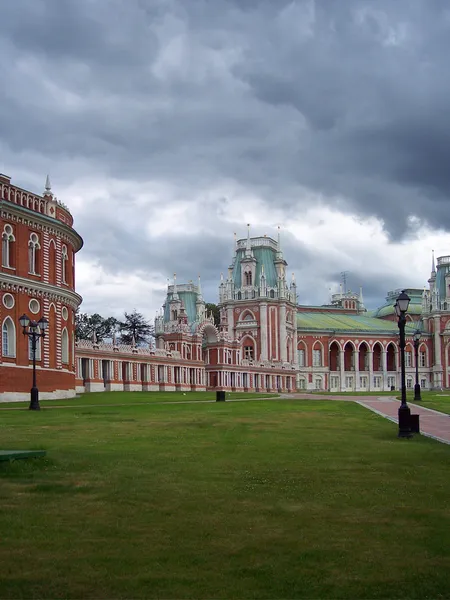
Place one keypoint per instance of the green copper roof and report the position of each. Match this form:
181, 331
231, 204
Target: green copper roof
264, 256
189, 299
443, 269
335, 322
415, 306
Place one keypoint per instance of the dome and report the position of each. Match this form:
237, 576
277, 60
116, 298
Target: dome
415, 306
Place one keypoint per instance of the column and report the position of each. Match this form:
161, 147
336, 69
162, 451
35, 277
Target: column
283, 349
437, 367
370, 364
356, 368
384, 368
263, 327
342, 369
230, 318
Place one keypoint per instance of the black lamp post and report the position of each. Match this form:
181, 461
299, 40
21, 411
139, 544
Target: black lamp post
404, 414
34, 330
416, 338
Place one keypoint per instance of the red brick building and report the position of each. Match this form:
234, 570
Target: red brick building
37, 277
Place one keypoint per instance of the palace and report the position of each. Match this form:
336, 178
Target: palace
265, 340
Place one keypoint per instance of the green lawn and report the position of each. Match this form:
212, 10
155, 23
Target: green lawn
435, 400
262, 499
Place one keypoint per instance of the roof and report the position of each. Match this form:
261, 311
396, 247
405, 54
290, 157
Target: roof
415, 306
265, 255
189, 298
326, 321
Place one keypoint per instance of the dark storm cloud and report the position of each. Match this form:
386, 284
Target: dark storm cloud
344, 100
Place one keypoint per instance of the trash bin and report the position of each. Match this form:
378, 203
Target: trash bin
220, 396
414, 423
392, 388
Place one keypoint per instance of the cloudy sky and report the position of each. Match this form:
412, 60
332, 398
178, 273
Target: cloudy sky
166, 125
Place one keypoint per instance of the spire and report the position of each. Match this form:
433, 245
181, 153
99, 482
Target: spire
175, 293
133, 341
361, 301
48, 187
433, 268
248, 245
199, 290
221, 277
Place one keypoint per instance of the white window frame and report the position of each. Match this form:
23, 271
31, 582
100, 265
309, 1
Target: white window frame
8, 336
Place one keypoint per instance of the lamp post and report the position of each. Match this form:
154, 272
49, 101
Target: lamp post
34, 330
404, 414
416, 338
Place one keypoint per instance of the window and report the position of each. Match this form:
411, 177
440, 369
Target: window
248, 352
318, 384
377, 382
248, 278
409, 383
408, 358
30, 348
301, 358
334, 382
65, 347
391, 382
8, 338
423, 383
64, 258
422, 359
348, 383
302, 384
33, 254
317, 358
363, 382
8, 240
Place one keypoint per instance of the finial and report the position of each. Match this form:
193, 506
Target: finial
199, 289
48, 187
175, 292
221, 277
293, 277
433, 268
133, 340
280, 254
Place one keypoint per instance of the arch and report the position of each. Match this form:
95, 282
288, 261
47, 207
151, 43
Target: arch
52, 337
8, 240
272, 294
33, 253
8, 338
302, 354
249, 347
317, 354
377, 350
64, 257
423, 355
64, 347
334, 351
363, 353
209, 332
349, 356
391, 357
247, 315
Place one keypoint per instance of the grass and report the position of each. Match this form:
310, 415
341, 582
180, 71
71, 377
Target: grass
436, 400
260, 499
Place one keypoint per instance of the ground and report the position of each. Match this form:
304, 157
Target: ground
146, 497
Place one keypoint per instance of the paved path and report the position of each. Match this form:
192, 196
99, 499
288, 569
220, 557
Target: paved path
433, 424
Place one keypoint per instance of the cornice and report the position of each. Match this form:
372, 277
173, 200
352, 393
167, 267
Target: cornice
21, 214
37, 288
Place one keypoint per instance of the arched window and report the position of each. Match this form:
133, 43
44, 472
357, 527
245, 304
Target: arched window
52, 261
64, 347
248, 278
317, 355
33, 254
64, 258
8, 338
8, 240
272, 294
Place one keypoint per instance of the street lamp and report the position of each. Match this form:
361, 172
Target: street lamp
416, 338
404, 414
34, 330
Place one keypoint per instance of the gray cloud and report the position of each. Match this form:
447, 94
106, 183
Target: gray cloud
346, 101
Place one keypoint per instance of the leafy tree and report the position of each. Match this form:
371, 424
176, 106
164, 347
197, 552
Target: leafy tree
86, 325
135, 325
214, 309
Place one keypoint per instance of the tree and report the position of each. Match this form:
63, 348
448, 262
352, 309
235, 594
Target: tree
135, 326
86, 325
214, 310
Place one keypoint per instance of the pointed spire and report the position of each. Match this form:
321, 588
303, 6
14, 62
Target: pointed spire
94, 336
361, 300
221, 277
133, 341
175, 293
262, 271
248, 245
199, 290
114, 338
48, 187
433, 268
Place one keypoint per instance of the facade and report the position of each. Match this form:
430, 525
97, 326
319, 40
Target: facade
37, 277
265, 340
